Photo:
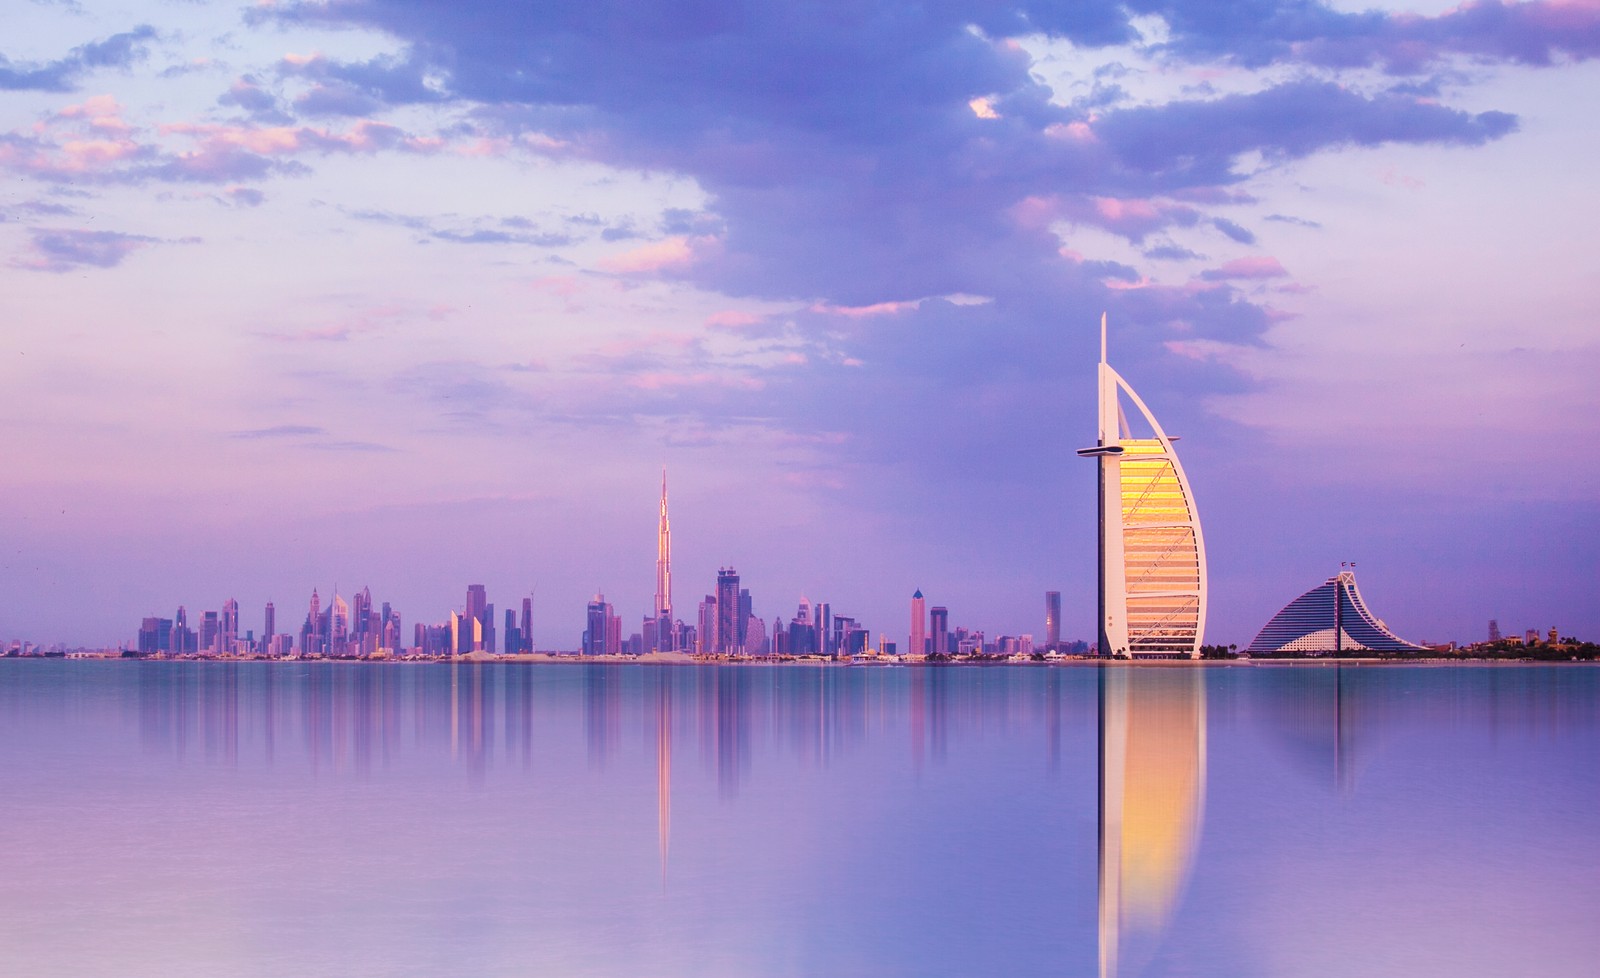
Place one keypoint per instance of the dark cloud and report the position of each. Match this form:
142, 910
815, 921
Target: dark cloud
361, 88
1240, 234
1171, 252
1255, 33
873, 153
63, 250
261, 105
336, 100
1189, 143
61, 75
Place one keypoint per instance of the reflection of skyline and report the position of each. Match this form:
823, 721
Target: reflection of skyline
664, 770
1152, 796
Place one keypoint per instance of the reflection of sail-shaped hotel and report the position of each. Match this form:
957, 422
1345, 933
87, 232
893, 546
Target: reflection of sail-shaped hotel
1152, 554
1152, 793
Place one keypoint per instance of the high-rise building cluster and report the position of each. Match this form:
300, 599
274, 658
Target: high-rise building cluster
342, 629
726, 626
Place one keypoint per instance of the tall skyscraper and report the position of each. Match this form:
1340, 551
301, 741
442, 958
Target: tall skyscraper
1152, 553
663, 611
1052, 619
919, 625
727, 642
477, 607
339, 632
269, 627
230, 625
210, 632
596, 638
939, 630
525, 629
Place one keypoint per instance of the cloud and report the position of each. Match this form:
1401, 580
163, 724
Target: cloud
469, 230
1171, 252
669, 253
1290, 219
91, 142
278, 431
362, 88
61, 75
350, 446
1254, 268
65, 250
1195, 142
1297, 32
261, 105
866, 156
1234, 231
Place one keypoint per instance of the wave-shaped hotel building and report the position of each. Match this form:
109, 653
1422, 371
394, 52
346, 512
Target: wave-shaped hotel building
1331, 617
1152, 553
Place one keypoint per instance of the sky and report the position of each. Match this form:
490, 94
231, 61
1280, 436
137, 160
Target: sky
418, 294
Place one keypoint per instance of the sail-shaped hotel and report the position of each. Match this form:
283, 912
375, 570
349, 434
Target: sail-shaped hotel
1152, 553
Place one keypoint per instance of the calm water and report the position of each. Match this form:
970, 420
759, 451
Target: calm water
276, 819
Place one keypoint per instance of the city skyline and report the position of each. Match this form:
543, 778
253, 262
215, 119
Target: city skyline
422, 295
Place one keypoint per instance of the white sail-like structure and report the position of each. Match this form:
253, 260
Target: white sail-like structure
1152, 552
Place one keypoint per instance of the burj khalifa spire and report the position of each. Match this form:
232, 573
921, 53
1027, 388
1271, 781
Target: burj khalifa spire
664, 630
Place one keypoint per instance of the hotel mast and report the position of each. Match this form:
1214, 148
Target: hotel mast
1152, 554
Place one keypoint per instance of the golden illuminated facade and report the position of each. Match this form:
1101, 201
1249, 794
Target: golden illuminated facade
1152, 553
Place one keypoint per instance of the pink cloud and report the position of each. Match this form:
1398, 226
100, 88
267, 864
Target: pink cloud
100, 112
1132, 218
669, 253
1078, 132
862, 312
1254, 268
731, 319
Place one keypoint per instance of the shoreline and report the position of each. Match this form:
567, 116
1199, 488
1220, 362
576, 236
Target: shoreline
686, 659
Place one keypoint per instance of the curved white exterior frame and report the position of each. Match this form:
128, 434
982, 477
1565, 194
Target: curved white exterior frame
1169, 614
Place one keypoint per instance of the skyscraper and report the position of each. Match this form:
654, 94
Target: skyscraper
1052, 619
939, 637
269, 627
919, 625
477, 606
663, 630
1152, 554
210, 632
596, 638
727, 621
526, 627
230, 626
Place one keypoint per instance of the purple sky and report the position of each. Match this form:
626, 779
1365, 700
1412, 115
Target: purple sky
419, 293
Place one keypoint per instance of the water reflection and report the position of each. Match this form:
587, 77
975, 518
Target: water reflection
1152, 793
929, 821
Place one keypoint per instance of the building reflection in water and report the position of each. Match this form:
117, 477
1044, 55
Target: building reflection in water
602, 719
1152, 795
664, 768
